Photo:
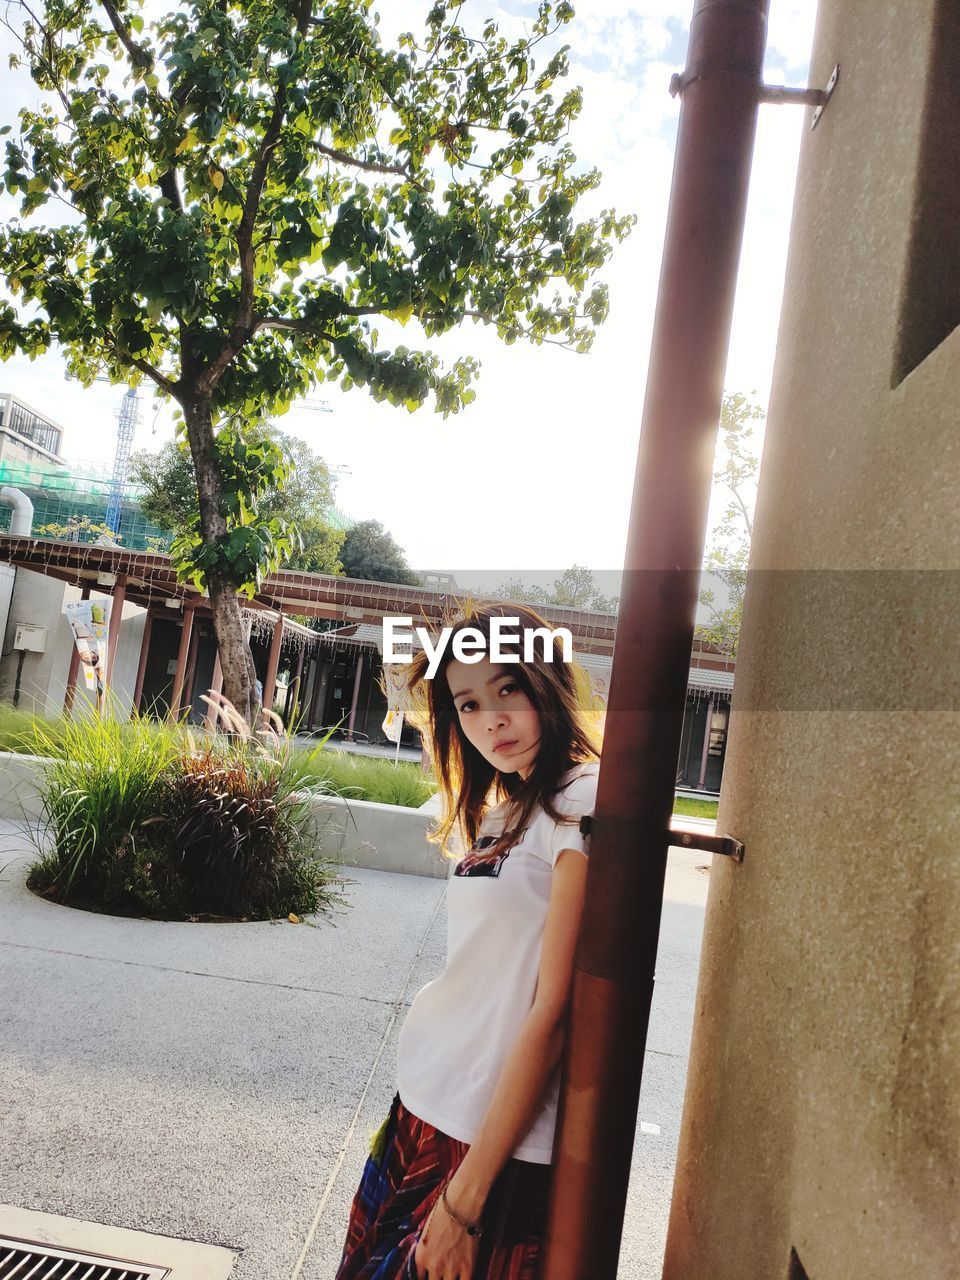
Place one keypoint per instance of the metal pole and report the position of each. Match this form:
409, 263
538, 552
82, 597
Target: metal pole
616, 953
705, 753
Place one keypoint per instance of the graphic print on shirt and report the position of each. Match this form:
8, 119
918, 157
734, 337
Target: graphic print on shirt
476, 863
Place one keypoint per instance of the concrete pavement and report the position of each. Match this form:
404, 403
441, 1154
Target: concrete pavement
220, 1082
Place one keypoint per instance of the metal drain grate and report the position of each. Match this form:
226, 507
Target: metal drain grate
26, 1260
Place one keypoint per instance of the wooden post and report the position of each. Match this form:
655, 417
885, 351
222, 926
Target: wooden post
74, 669
191, 673
320, 681
178, 680
293, 689
142, 666
705, 754
216, 686
273, 664
119, 594
356, 695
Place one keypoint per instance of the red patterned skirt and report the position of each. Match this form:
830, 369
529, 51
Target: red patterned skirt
409, 1162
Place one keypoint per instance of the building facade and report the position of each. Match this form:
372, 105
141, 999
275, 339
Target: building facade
821, 1130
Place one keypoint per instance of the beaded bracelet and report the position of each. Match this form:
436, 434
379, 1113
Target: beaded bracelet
475, 1230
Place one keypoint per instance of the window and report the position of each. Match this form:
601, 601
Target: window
930, 299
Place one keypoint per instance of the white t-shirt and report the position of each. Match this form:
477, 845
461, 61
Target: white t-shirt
461, 1027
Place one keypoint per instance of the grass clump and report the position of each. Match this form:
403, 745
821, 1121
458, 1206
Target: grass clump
367, 778
148, 819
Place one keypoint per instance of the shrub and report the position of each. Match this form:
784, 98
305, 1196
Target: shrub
147, 819
232, 837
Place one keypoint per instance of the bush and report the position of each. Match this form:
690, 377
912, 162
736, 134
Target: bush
147, 820
232, 837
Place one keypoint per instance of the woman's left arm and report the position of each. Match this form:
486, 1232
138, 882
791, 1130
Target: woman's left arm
536, 1052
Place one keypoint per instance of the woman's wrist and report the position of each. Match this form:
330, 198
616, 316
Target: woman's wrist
466, 1199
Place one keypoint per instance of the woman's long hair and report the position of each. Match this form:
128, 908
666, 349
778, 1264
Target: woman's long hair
559, 691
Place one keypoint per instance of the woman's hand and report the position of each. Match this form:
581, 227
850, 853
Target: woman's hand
445, 1251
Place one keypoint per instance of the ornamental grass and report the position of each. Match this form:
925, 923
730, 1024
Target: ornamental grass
156, 820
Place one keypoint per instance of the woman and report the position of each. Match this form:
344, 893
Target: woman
458, 1178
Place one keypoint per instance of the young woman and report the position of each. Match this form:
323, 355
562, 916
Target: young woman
458, 1179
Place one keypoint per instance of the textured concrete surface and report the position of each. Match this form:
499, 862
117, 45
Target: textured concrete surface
220, 1082
823, 1099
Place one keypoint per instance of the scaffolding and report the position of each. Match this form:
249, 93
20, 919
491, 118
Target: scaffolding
60, 495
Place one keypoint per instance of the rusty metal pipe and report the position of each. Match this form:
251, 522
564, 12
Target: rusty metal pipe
616, 952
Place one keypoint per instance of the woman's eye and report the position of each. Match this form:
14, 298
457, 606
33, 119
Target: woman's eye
510, 687
467, 706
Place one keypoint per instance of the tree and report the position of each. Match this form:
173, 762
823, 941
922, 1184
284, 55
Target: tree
574, 589
170, 497
248, 186
78, 529
370, 552
729, 553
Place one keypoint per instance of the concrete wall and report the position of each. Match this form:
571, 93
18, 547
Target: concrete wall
823, 1098
40, 599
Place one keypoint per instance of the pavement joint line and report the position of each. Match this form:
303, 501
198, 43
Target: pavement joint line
348, 1138
200, 973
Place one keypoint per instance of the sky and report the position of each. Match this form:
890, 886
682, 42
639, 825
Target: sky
537, 473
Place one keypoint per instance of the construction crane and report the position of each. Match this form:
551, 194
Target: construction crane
128, 419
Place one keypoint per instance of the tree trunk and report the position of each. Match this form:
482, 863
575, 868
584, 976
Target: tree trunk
236, 660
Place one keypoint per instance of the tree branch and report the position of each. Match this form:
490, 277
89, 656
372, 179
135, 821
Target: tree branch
162, 381
140, 55
243, 326
294, 326
370, 166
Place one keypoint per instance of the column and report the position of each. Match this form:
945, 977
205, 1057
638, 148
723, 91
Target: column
706, 744
273, 664
116, 622
74, 668
178, 680
142, 666
356, 695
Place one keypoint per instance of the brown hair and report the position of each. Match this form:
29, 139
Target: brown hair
560, 693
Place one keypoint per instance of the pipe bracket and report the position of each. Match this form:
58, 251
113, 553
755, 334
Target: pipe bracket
684, 837
775, 94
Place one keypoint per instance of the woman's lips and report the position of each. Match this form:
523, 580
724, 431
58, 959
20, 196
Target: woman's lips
502, 746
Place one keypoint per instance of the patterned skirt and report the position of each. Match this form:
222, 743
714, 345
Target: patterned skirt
409, 1162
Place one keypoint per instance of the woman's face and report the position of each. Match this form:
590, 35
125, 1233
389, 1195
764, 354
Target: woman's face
495, 714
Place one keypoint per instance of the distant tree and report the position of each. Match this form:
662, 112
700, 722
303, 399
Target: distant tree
574, 589
78, 529
370, 552
726, 560
170, 498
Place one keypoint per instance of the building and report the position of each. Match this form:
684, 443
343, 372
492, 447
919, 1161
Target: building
349, 692
821, 1127
165, 657
26, 435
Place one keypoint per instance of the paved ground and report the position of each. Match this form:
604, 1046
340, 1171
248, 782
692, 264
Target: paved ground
220, 1082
